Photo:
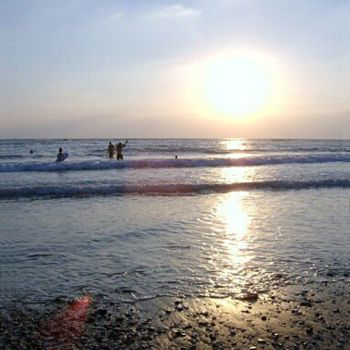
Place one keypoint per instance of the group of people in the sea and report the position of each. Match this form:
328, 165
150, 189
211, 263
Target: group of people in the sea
111, 150
118, 148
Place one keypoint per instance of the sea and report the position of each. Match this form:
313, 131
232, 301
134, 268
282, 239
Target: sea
176, 217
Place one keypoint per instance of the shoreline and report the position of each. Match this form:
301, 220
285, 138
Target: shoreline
315, 316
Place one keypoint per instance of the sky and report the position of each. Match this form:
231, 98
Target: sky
196, 68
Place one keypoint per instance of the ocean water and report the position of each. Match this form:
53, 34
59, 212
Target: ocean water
227, 216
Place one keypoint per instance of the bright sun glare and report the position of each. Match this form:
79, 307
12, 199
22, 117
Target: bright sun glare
237, 85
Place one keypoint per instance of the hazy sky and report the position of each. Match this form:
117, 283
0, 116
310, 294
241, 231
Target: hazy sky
140, 68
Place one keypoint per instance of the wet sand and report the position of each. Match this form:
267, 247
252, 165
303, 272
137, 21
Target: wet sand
314, 316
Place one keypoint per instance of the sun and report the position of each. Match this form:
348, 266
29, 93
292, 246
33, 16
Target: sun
237, 85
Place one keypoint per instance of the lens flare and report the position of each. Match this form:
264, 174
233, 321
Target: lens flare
68, 325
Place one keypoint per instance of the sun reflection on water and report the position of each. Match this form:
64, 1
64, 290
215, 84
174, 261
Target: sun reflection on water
237, 175
236, 221
234, 144
234, 213
234, 148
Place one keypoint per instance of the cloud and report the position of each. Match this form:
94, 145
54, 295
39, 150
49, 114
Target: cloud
174, 11
117, 16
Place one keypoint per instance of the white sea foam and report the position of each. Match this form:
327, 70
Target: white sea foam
173, 163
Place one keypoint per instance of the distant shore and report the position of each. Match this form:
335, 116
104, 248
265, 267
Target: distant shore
313, 316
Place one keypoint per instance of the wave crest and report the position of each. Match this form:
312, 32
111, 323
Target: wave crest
171, 163
166, 190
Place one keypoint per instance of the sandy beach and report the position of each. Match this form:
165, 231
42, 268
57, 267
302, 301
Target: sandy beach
296, 317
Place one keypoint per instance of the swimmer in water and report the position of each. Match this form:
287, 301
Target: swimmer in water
60, 156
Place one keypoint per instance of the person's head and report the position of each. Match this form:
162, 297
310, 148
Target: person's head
110, 142
60, 150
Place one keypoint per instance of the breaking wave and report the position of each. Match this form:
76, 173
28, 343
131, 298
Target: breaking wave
166, 190
172, 163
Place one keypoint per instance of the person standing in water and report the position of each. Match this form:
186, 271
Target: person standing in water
110, 150
119, 147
